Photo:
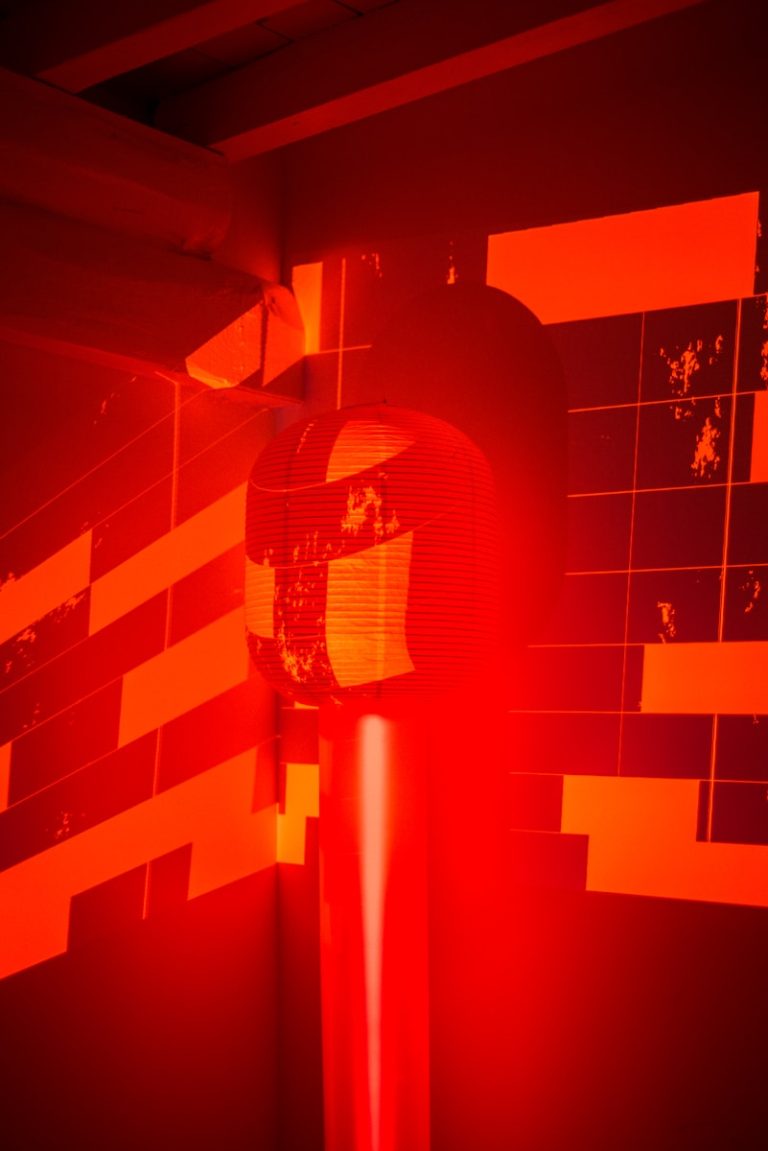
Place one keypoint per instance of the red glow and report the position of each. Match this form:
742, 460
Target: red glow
373, 817
374, 762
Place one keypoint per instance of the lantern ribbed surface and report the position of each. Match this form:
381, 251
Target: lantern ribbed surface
371, 557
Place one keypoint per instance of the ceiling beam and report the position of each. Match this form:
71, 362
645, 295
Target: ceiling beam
394, 56
74, 159
75, 44
109, 299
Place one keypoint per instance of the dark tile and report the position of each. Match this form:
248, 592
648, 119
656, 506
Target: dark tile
220, 440
265, 787
83, 733
330, 303
688, 352
601, 450
633, 678
600, 358
746, 603
45, 639
748, 529
139, 523
742, 747
378, 280
548, 860
571, 678
233, 722
666, 746
205, 595
703, 810
84, 668
753, 345
168, 881
299, 738
741, 468
65, 419
598, 533
740, 813
81, 800
534, 802
570, 743
589, 609
679, 528
668, 606
101, 493
683, 443
100, 911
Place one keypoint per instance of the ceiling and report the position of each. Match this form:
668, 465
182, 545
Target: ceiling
247, 76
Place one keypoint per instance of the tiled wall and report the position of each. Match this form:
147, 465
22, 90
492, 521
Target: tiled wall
137, 751
645, 691
128, 712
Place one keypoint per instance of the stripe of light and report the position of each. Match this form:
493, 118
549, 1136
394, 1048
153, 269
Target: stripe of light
642, 841
373, 751
212, 811
668, 257
52, 583
705, 678
182, 677
179, 552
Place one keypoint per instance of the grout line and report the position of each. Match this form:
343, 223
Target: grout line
724, 564
91, 471
630, 545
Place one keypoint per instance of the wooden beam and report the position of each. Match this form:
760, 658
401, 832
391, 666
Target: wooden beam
84, 292
394, 56
75, 44
72, 158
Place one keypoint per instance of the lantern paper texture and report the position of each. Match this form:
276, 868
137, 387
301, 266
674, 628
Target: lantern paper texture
372, 557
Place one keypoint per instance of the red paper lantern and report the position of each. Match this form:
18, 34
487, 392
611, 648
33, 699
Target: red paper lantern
372, 557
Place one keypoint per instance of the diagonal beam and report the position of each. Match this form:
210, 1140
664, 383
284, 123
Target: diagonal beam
75, 44
394, 56
94, 295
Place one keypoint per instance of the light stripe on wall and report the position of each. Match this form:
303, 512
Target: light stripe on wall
307, 285
663, 258
759, 463
212, 811
642, 841
705, 678
51, 583
193, 543
302, 802
180, 678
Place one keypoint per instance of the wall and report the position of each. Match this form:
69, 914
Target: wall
567, 1011
138, 769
